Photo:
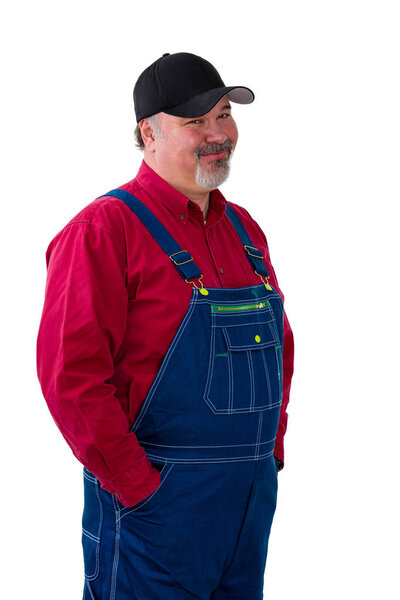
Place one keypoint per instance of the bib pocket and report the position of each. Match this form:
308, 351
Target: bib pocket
244, 364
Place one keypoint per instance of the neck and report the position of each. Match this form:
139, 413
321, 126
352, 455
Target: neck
202, 198
199, 196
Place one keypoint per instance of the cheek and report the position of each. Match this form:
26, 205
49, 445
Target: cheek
186, 147
178, 152
232, 133
192, 141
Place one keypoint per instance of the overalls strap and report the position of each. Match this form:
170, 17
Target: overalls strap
254, 255
182, 259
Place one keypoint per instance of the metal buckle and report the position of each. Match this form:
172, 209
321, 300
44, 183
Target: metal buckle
251, 254
181, 263
266, 283
201, 289
198, 281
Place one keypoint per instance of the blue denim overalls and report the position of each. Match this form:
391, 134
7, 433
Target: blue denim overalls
208, 423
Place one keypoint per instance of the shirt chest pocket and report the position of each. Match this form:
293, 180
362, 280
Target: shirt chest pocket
245, 362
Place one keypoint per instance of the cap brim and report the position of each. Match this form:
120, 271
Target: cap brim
202, 103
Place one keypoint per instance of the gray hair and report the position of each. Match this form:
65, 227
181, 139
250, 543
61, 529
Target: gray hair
154, 121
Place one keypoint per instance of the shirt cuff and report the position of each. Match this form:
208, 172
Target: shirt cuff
134, 485
279, 449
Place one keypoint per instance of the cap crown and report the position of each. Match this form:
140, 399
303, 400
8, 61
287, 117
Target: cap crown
171, 80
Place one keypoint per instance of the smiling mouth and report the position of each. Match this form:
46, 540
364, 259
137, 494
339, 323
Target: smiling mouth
216, 155
219, 154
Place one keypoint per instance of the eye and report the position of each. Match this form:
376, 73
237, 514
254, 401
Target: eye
195, 121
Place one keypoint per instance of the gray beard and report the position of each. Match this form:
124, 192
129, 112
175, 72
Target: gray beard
209, 179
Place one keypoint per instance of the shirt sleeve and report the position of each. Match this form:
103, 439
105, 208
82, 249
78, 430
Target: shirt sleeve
81, 332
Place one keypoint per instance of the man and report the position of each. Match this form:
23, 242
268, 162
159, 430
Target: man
165, 357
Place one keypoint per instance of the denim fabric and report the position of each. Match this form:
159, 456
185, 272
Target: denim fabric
209, 421
203, 534
225, 362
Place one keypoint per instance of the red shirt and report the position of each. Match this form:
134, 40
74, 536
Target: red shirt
113, 304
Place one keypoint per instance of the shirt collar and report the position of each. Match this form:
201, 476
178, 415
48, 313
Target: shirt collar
176, 202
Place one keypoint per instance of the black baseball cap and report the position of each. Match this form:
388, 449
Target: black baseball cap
183, 85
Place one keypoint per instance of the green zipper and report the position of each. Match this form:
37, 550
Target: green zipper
215, 308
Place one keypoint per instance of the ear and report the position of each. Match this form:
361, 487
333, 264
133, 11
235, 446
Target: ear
148, 135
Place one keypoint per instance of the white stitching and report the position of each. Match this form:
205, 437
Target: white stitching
87, 586
266, 371
252, 384
90, 535
260, 420
116, 551
122, 512
89, 477
231, 380
278, 352
217, 460
220, 446
164, 364
224, 411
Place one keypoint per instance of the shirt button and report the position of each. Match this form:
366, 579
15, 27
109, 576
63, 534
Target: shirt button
182, 216
221, 270
117, 495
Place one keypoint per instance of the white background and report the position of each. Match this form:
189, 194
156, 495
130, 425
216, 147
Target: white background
317, 165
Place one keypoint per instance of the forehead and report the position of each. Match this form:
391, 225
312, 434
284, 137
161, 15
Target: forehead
223, 104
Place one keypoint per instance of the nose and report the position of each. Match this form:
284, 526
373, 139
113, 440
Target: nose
215, 133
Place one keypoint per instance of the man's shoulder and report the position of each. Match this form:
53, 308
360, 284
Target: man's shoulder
104, 209
241, 211
252, 227
105, 215
101, 212
244, 216
105, 212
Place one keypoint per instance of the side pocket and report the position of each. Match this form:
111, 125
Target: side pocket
92, 520
150, 502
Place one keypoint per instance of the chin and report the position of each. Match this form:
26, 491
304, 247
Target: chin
213, 178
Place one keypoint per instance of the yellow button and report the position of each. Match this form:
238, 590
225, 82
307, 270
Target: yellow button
257, 338
204, 291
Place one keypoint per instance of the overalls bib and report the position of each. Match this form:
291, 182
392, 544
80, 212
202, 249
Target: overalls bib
208, 423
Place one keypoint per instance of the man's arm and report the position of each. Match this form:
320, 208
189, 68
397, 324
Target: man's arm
81, 331
288, 358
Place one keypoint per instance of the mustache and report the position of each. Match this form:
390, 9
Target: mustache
214, 148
